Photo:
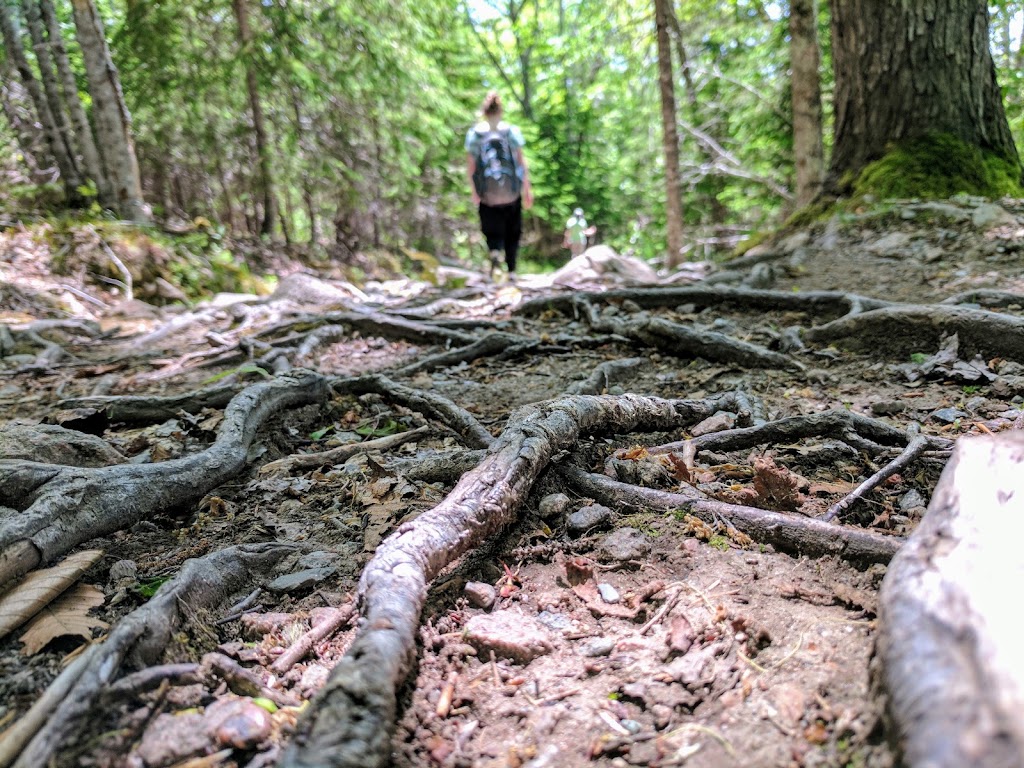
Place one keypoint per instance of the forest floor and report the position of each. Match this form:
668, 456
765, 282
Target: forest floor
599, 624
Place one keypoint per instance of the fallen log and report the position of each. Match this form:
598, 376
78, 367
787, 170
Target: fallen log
947, 661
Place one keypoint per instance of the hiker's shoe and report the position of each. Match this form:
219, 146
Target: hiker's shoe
512, 279
495, 257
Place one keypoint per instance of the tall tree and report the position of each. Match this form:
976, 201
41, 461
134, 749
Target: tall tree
259, 126
54, 141
670, 135
113, 125
909, 70
92, 166
805, 60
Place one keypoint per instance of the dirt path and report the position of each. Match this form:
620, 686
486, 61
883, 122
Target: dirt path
544, 609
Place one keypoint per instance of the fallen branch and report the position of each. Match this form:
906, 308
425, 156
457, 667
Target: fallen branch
947, 652
353, 716
66, 506
133, 409
793, 534
916, 445
138, 639
339, 618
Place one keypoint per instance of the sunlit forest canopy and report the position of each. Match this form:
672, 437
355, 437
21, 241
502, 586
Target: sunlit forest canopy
341, 124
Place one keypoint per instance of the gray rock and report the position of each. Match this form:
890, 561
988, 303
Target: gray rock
720, 421
587, 518
598, 646
947, 415
479, 594
890, 244
608, 593
300, 580
553, 620
623, 545
888, 407
509, 634
51, 444
553, 505
911, 500
989, 215
318, 559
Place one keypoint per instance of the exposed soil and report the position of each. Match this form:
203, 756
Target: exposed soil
645, 638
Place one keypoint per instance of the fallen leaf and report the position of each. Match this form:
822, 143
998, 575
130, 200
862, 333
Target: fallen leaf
68, 616
40, 588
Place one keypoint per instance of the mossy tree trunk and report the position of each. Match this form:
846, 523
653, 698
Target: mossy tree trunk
805, 60
670, 136
912, 69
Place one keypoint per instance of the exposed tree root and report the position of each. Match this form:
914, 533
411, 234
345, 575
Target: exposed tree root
902, 330
787, 533
833, 303
373, 324
490, 345
987, 298
341, 453
138, 639
947, 660
604, 375
354, 714
427, 403
62, 507
132, 409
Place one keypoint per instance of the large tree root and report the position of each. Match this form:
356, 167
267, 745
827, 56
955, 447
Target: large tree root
354, 715
373, 324
902, 330
947, 660
787, 533
138, 639
61, 507
821, 302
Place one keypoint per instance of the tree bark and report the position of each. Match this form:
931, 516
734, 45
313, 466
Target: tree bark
670, 137
92, 165
905, 70
14, 102
258, 122
12, 42
947, 660
805, 59
48, 79
113, 125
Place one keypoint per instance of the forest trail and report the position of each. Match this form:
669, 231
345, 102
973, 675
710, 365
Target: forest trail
616, 525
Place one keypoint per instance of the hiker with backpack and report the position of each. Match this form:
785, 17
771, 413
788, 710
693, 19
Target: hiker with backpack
577, 233
500, 182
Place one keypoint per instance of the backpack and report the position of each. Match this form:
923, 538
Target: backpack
497, 177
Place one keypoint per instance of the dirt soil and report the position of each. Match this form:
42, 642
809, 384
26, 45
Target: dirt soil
583, 634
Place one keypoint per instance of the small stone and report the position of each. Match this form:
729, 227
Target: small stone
318, 559
553, 505
662, 716
509, 634
599, 646
720, 421
888, 407
680, 635
608, 593
947, 415
632, 726
587, 518
479, 594
623, 545
300, 580
554, 620
989, 215
238, 723
911, 500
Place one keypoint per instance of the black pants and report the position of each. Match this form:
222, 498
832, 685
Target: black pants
502, 225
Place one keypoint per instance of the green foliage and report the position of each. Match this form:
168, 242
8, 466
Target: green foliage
938, 166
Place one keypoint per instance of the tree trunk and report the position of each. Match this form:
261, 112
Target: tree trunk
113, 125
12, 42
805, 58
48, 79
909, 69
670, 137
92, 165
258, 122
18, 114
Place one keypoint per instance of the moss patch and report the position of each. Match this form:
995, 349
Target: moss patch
938, 166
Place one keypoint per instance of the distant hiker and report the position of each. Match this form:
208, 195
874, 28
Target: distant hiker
500, 182
577, 233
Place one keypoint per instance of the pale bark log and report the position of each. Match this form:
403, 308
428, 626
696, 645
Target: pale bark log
113, 125
947, 659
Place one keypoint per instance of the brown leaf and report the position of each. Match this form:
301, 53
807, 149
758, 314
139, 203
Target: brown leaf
67, 616
40, 588
777, 488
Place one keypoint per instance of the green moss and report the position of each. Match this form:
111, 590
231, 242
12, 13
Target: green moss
819, 210
938, 166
